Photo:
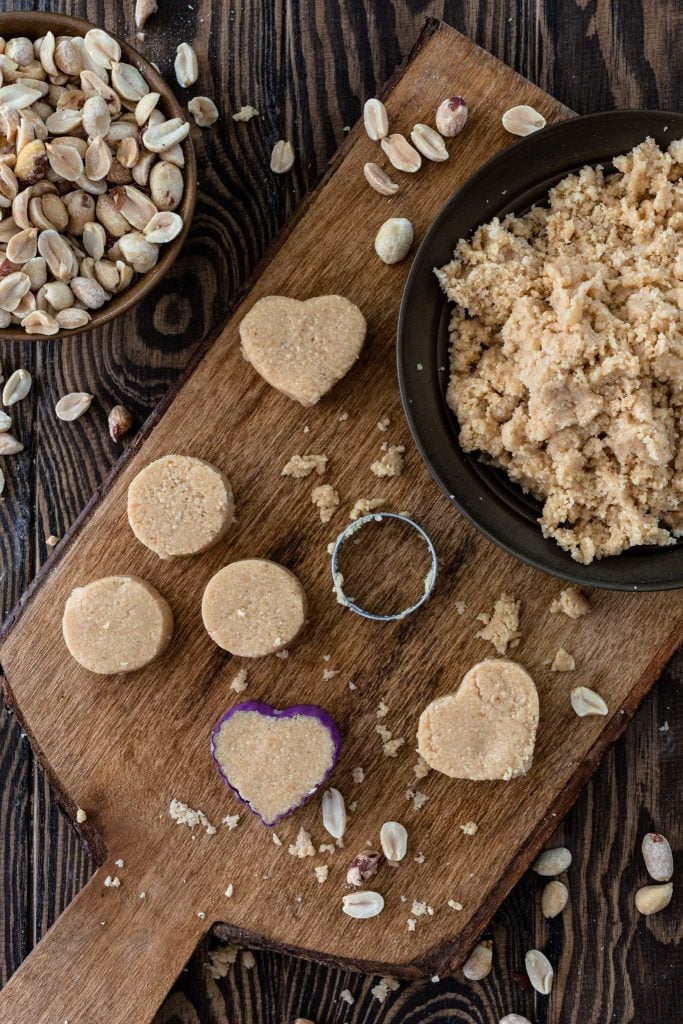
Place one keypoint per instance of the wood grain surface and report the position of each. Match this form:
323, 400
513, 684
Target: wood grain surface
591, 56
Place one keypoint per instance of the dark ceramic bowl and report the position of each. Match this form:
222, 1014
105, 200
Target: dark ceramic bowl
35, 24
512, 182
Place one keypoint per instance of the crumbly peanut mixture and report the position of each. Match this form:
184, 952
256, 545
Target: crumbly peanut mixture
326, 499
501, 627
567, 352
572, 602
391, 462
300, 466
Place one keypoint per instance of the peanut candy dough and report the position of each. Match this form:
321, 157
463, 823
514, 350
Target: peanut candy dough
179, 505
275, 760
303, 348
486, 730
253, 607
116, 624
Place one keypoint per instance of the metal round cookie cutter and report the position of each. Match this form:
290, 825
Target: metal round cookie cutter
338, 579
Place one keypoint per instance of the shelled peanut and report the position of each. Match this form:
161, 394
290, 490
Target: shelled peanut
91, 173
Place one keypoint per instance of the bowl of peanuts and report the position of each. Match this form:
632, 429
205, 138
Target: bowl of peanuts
98, 178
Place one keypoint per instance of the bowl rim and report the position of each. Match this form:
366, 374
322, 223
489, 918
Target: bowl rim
416, 387
33, 24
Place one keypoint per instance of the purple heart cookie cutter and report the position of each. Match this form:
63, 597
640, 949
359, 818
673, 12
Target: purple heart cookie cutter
268, 711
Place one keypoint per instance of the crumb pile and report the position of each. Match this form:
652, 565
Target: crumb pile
567, 352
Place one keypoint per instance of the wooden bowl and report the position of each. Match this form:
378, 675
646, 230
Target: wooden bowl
35, 24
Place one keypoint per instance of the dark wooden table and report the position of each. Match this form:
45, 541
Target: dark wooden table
308, 66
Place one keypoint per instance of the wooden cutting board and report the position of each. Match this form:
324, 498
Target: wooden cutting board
122, 748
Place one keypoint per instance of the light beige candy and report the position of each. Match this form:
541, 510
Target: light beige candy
303, 348
116, 624
254, 607
487, 728
179, 505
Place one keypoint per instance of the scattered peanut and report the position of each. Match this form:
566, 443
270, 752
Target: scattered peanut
451, 116
480, 962
429, 143
282, 157
120, 422
73, 405
539, 971
522, 120
394, 239
401, 154
379, 180
651, 898
586, 702
186, 66
203, 110
552, 862
375, 119
554, 899
363, 866
658, 857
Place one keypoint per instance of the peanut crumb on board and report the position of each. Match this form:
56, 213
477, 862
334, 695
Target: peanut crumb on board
300, 466
276, 839
329, 673
302, 845
326, 499
563, 662
382, 708
52, 541
81, 816
420, 858
231, 821
470, 828
248, 959
142, 895
184, 815
460, 607
384, 423
391, 462
327, 848
229, 892
501, 627
363, 506
572, 602
346, 996
222, 958
358, 775
201, 915
112, 883
412, 924
390, 744
282, 655
321, 873
119, 862
455, 905
421, 909
421, 769
419, 799
245, 113
383, 988
343, 417
239, 681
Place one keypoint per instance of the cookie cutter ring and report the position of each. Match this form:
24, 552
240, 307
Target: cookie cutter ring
338, 579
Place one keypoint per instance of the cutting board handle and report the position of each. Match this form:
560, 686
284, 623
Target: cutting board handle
110, 958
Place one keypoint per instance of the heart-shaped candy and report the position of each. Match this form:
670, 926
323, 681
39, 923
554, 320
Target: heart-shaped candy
273, 760
303, 348
487, 728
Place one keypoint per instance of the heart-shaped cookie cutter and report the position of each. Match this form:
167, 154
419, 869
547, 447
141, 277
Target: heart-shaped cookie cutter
338, 579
